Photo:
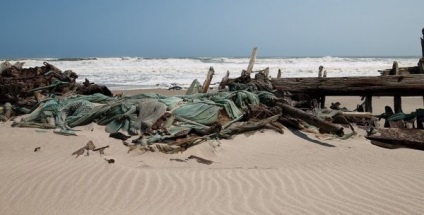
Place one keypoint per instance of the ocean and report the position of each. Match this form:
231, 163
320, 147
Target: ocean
140, 73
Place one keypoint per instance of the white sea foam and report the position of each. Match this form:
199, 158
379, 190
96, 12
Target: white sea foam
134, 73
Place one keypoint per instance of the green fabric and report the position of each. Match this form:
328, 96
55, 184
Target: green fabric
199, 112
171, 102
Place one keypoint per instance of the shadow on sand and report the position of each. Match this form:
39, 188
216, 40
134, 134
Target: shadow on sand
306, 137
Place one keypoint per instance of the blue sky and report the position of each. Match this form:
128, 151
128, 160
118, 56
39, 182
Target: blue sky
194, 28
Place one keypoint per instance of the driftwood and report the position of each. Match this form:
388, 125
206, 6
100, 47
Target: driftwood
391, 85
406, 137
311, 119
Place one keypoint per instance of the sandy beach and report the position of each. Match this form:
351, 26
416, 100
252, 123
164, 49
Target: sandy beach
256, 173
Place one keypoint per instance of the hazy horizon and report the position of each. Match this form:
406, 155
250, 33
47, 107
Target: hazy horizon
200, 28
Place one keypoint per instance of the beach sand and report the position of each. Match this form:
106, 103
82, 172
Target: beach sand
256, 173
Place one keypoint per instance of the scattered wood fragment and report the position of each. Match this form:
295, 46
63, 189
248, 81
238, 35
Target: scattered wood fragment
89, 146
177, 160
110, 160
101, 149
37, 149
201, 160
79, 152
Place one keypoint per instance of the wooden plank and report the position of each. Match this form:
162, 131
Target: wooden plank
390, 85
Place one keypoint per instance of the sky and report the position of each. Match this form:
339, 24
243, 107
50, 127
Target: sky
210, 28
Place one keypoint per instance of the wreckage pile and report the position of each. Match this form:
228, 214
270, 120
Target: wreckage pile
25, 87
53, 100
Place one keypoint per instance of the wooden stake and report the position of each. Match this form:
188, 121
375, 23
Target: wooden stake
251, 62
208, 80
279, 73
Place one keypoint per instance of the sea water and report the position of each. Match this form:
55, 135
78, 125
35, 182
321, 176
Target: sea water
140, 73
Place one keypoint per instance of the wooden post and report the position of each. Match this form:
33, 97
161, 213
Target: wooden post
422, 43
224, 81
279, 73
208, 80
421, 62
421, 66
397, 99
368, 103
320, 70
322, 74
251, 62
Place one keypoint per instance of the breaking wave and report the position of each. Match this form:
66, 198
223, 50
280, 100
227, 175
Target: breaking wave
137, 72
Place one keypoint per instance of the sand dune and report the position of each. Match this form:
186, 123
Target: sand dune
260, 173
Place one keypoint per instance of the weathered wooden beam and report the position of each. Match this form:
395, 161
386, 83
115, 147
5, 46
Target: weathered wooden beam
390, 85
251, 62
311, 119
208, 80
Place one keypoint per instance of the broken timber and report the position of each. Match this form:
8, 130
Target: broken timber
390, 85
395, 137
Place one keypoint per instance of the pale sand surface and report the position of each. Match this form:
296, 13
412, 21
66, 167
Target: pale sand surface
260, 173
